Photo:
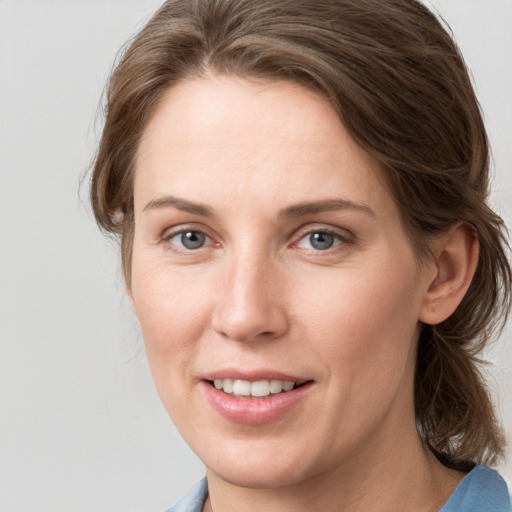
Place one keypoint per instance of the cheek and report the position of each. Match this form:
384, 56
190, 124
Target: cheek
364, 323
171, 309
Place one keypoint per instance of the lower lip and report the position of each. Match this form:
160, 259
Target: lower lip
254, 411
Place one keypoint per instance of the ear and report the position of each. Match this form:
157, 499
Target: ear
456, 258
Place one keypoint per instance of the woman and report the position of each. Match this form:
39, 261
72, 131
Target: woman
299, 188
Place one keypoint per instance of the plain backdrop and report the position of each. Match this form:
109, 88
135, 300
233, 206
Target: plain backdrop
81, 427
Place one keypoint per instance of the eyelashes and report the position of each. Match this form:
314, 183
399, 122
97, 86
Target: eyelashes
190, 240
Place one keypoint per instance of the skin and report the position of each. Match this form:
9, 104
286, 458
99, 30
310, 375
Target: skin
232, 159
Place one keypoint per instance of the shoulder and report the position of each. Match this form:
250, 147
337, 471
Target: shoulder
481, 490
194, 500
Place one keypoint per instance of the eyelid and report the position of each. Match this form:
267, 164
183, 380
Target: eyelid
343, 233
170, 231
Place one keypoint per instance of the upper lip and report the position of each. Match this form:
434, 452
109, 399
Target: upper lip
253, 375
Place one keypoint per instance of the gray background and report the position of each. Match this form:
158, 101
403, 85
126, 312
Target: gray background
81, 427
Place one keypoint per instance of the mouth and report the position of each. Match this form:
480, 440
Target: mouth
255, 390
255, 401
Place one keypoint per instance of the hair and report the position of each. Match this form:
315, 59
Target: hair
398, 82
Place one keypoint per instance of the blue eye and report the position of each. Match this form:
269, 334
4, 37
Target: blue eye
189, 239
319, 241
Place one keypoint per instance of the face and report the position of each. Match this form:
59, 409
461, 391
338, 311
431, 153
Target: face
277, 292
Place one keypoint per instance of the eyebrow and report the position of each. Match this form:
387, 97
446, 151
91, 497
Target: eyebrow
296, 210
180, 204
326, 205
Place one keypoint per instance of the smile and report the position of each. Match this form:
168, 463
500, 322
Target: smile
253, 402
246, 389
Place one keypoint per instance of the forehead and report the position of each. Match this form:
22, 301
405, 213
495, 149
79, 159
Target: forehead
230, 135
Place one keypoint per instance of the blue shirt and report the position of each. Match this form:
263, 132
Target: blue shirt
481, 490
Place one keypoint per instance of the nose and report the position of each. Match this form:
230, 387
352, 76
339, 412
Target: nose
250, 304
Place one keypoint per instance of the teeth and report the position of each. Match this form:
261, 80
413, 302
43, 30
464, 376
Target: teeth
242, 387
288, 386
259, 388
276, 386
227, 385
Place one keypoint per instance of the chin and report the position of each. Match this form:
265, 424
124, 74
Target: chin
258, 465
270, 475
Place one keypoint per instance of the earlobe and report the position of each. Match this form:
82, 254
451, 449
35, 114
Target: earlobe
456, 258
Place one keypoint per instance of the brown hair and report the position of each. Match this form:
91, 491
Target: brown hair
399, 84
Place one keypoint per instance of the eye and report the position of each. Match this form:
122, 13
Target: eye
319, 240
189, 240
